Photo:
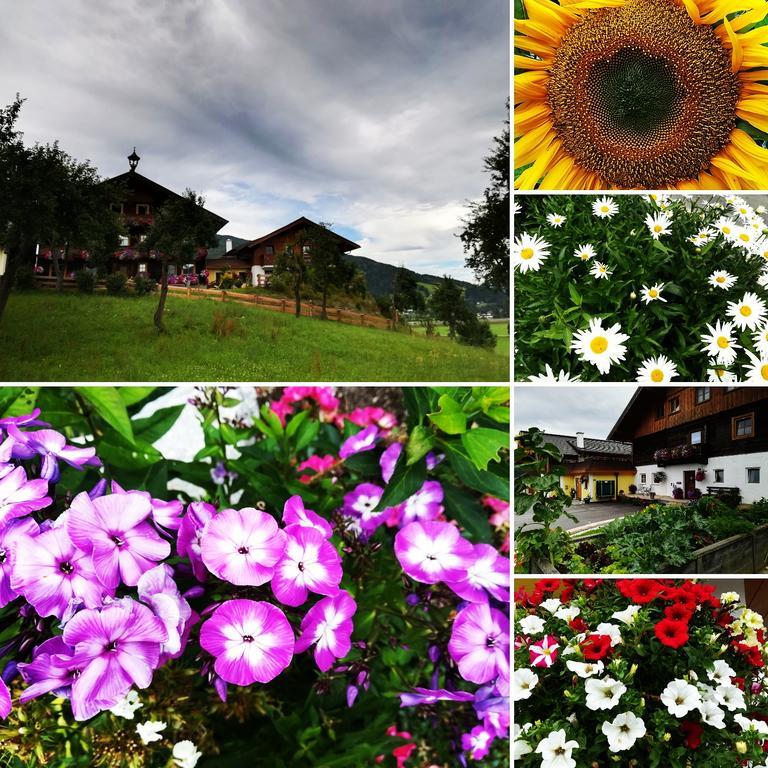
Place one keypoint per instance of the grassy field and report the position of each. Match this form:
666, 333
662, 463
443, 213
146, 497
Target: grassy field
71, 337
499, 327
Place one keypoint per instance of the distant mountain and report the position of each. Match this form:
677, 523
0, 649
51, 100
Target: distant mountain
381, 277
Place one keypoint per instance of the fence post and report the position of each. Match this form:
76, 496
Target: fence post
282, 306
223, 295
338, 315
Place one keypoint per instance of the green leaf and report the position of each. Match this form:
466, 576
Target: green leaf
158, 424
420, 442
465, 509
450, 418
483, 445
295, 422
134, 395
306, 435
114, 451
108, 403
23, 403
418, 402
405, 481
478, 479
575, 295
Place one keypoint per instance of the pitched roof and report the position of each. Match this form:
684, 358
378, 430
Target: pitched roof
566, 444
218, 251
299, 223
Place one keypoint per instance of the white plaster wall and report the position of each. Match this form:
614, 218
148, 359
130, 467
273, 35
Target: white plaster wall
256, 272
735, 475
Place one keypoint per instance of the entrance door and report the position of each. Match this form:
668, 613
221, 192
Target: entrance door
689, 481
577, 486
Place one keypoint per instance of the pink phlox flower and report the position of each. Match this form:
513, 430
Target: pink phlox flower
477, 743
52, 447
544, 652
166, 514
328, 625
433, 551
488, 574
388, 461
282, 410
9, 537
425, 504
188, 540
319, 465
372, 414
27, 420
294, 513
158, 590
479, 643
364, 440
20, 496
360, 503
500, 509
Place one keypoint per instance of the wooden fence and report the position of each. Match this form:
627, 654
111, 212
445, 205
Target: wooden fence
308, 308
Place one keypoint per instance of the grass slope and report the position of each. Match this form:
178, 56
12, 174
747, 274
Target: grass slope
500, 329
72, 337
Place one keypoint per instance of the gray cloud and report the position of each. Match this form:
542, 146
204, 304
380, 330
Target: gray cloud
372, 115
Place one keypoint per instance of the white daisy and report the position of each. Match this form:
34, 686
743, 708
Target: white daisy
600, 346
721, 279
747, 313
760, 338
743, 210
719, 342
550, 377
743, 237
760, 247
528, 251
760, 209
720, 375
556, 220
652, 294
659, 198
516, 208
605, 208
758, 369
585, 252
658, 224
656, 370
762, 278
599, 270
725, 226
623, 731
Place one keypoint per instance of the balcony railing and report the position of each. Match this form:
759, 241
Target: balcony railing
681, 454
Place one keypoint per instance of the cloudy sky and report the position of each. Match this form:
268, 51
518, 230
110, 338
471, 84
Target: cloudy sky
568, 410
370, 114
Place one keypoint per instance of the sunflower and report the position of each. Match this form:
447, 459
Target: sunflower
641, 94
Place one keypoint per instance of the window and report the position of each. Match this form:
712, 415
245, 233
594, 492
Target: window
719, 475
605, 488
305, 249
116, 207
753, 474
674, 404
269, 250
697, 437
124, 241
702, 395
142, 209
642, 477
142, 268
660, 410
743, 426
142, 238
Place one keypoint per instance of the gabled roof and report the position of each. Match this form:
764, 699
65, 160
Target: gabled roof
299, 223
218, 251
566, 444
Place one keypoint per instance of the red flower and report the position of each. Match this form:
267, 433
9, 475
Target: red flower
692, 733
578, 625
751, 654
738, 682
677, 612
566, 593
596, 647
643, 591
687, 599
590, 585
672, 633
724, 619
547, 585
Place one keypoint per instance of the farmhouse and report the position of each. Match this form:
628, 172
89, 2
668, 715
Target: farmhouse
698, 439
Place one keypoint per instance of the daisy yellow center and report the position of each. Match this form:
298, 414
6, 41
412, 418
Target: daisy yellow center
657, 375
657, 228
584, 256
604, 209
726, 230
598, 345
720, 279
653, 293
745, 237
764, 372
723, 342
602, 269
526, 253
745, 310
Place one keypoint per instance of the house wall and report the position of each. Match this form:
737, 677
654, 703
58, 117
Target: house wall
734, 466
623, 481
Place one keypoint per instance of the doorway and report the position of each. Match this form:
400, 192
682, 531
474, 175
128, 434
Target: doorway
689, 481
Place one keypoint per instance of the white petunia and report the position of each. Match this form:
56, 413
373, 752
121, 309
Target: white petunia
656, 370
528, 251
721, 279
749, 312
603, 693
567, 612
600, 346
556, 751
185, 754
585, 669
556, 220
585, 252
726, 598
523, 683
747, 724
719, 342
730, 697
600, 270
721, 673
612, 630
605, 208
551, 378
149, 731
623, 731
550, 605
680, 698
531, 625
653, 293
711, 714
628, 615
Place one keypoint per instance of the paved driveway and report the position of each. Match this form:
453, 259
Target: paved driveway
586, 514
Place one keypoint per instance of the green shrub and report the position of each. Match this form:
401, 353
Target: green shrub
142, 285
25, 280
475, 332
86, 281
725, 527
712, 506
226, 283
116, 284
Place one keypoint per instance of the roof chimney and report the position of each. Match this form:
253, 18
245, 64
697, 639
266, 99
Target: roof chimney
579, 439
229, 245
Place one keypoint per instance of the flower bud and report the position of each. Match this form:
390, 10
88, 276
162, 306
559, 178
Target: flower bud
666, 737
633, 295
741, 747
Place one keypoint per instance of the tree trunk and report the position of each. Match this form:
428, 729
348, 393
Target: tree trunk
159, 324
297, 296
324, 314
8, 279
57, 272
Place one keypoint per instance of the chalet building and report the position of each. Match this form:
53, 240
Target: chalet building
714, 439
598, 469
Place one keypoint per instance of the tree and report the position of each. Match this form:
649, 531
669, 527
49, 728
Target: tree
485, 236
180, 227
406, 291
472, 330
292, 264
447, 304
327, 266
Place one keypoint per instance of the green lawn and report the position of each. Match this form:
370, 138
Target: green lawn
499, 327
72, 337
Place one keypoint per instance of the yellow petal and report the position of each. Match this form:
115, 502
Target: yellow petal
693, 11
551, 15
538, 31
557, 175
529, 116
543, 50
527, 146
737, 54
525, 62
531, 86
530, 176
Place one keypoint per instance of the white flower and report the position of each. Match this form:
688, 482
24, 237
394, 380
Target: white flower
521, 748
721, 673
720, 375
528, 251
721, 279
531, 625
730, 697
585, 252
603, 693
628, 615
751, 619
612, 630
185, 754
743, 237
760, 338
743, 210
623, 731
585, 669
551, 378
656, 370
652, 294
760, 247
598, 270
556, 750
523, 683
758, 370
149, 731
551, 605
711, 714
719, 342
567, 612
556, 220
127, 706
600, 346
749, 312
516, 208
726, 598
747, 724
604, 208
660, 198
658, 224
680, 698
725, 226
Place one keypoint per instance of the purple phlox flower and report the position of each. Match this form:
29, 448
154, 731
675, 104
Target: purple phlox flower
433, 551
9, 537
419, 696
49, 570
433, 460
389, 459
487, 574
360, 503
6, 453
5, 700
114, 648
27, 420
425, 504
310, 563
220, 686
364, 440
114, 530
19, 496
479, 643
477, 742
52, 447
242, 546
99, 489
352, 691
190, 531
251, 640
294, 513
158, 590
50, 671
220, 474
492, 709
328, 625
166, 514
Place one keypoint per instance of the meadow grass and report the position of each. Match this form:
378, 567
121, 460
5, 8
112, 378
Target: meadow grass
46, 336
500, 329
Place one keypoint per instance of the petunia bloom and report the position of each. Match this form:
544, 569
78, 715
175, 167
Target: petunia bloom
251, 640
242, 546
158, 590
432, 551
479, 643
294, 513
328, 624
425, 504
544, 652
360, 503
309, 564
488, 574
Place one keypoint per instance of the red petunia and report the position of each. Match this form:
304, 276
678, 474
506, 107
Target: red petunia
596, 647
547, 585
678, 612
644, 591
751, 654
688, 599
724, 619
738, 682
578, 625
566, 593
692, 733
590, 585
672, 633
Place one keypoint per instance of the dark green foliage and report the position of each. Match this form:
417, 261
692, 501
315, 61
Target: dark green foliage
475, 332
116, 284
407, 294
143, 285
85, 280
25, 279
447, 304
